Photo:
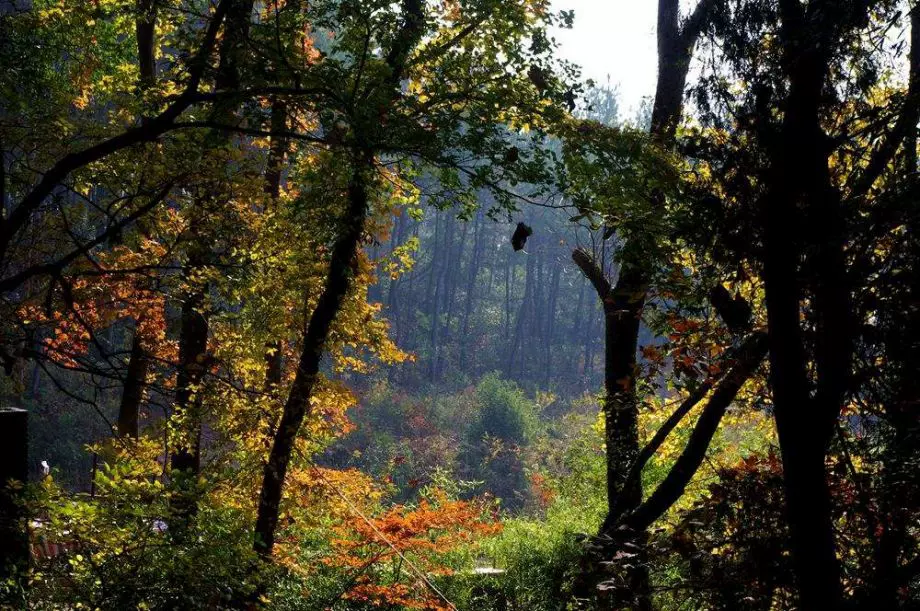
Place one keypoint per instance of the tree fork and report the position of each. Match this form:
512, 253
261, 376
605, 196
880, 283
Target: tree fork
751, 354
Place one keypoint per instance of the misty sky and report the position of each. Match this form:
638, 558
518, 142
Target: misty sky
614, 38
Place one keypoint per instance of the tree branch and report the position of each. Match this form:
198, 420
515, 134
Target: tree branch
146, 132
592, 272
694, 24
907, 120
634, 477
670, 490
58, 266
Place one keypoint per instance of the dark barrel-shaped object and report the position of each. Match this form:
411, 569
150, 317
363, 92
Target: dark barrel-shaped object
14, 472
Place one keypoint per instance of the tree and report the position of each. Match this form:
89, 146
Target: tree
816, 181
624, 301
422, 535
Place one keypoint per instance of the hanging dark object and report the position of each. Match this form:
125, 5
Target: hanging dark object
538, 78
520, 236
735, 311
570, 100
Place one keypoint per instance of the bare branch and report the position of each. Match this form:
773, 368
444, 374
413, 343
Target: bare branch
672, 488
592, 272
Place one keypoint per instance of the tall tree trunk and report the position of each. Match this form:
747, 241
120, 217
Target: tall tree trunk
537, 318
902, 415
396, 240
472, 273
509, 275
399, 298
273, 171
434, 290
624, 302
589, 340
138, 361
145, 30
805, 424
577, 323
621, 423
550, 333
624, 305
338, 283
521, 321
185, 461
133, 393
451, 282
409, 312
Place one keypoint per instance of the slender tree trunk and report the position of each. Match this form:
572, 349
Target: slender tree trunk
185, 461
472, 273
509, 273
521, 321
621, 334
338, 283
577, 322
621, 422
434, 290
396, 240
804, 423
624, 302
276, 157
404, 303
537, 318
587, 371
902, 414
549, 336
491, 266
452, 280
138, 361
145, 30
398, 306
410, 310
528, 338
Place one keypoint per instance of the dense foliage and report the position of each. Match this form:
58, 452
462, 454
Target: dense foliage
278, 348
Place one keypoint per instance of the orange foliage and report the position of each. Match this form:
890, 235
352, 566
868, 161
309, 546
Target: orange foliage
398, 594
113, 292
424, 534
694, 347
543, 490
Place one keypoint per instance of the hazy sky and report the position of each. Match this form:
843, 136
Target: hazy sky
614, 38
